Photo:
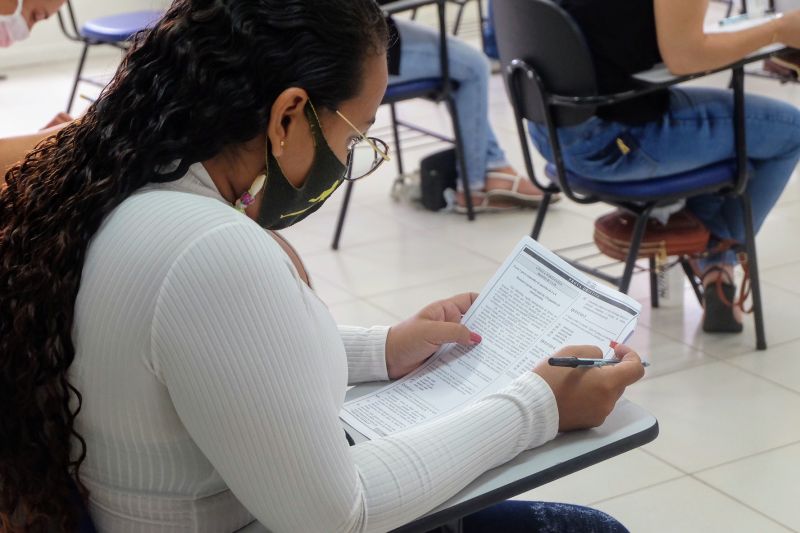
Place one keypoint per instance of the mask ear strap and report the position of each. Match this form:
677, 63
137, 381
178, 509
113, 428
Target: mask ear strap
250, 196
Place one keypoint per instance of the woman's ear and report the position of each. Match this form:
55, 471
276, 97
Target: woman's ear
286, 113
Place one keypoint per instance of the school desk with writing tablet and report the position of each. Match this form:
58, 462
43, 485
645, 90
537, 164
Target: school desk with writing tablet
660, 75
628, 427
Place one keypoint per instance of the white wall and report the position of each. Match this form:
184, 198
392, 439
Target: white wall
47, 43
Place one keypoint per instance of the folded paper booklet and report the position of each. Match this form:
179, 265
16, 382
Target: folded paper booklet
534, 305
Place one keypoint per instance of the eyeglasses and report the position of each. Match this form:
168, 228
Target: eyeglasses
364, 155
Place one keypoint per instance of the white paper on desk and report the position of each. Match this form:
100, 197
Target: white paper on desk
534, 304
739, 24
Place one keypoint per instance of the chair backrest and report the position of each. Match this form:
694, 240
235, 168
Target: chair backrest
68, 22
543, 35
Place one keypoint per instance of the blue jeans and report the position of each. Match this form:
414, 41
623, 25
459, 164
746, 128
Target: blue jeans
540, 517
489, 36
696, 131
469, 68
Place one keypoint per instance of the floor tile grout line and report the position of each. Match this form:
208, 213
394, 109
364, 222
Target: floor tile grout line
398, 289
421, 285
744, 458
434, 239
777, 265
673, 337
690, 476
743, 504
712, 467
781, 287
763, 378
640, 489
661, 459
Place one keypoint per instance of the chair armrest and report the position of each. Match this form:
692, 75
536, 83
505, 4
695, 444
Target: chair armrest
519, 68
665, 81
737, 87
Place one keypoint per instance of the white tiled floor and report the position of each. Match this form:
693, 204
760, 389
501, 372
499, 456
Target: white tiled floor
728, 457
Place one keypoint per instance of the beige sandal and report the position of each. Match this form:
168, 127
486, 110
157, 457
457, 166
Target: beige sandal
482, 203
513, 194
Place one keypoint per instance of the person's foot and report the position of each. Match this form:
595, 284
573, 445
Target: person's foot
525, 186
721, 312
505, 189
481, 202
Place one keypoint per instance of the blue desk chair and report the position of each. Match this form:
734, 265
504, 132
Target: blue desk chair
114, 30
550, 77
436, 89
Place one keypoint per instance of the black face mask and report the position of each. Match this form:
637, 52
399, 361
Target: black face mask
283, 204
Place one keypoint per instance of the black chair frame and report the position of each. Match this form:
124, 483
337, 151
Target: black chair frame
462, 4
73, 34
443, 94
525, 86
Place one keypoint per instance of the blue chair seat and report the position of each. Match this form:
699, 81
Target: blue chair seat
119, 28
407, 90
710, 177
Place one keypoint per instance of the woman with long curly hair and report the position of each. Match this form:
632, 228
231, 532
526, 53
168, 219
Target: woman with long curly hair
161, 359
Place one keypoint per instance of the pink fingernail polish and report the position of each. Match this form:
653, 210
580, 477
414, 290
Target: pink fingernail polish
474, 338
613, 344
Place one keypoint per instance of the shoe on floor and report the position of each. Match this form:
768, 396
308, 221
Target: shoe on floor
719, 314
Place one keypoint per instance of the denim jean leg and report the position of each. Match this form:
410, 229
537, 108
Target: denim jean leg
469, 68
489, 34
516, 516
495, 156
697, 131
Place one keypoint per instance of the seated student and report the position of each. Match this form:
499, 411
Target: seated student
17, 18
414, 54
684, 128
159, 347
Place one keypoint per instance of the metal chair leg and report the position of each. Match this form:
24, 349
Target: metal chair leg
396, 133
752, 261
633, 253
541, 211
342, 213
696, 286
653, 282
462, 164
459, 16
81, 62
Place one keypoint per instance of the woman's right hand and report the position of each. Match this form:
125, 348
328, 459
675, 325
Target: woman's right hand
586, 396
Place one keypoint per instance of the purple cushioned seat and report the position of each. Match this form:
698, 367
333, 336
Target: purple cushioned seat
119, 28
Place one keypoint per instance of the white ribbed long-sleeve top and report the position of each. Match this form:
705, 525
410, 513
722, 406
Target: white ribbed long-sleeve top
212, 380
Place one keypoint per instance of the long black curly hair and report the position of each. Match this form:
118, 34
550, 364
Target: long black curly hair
202, 79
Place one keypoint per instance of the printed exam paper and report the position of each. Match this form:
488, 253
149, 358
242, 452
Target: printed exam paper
534, 305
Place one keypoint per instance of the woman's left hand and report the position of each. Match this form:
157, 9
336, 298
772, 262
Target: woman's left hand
412, 341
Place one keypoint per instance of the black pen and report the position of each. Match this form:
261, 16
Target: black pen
574, 362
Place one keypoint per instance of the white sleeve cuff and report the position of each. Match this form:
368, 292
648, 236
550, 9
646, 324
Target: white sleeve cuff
537, 403
366, 353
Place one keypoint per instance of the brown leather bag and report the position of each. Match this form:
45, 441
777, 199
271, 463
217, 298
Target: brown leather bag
683, 234
785, 65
